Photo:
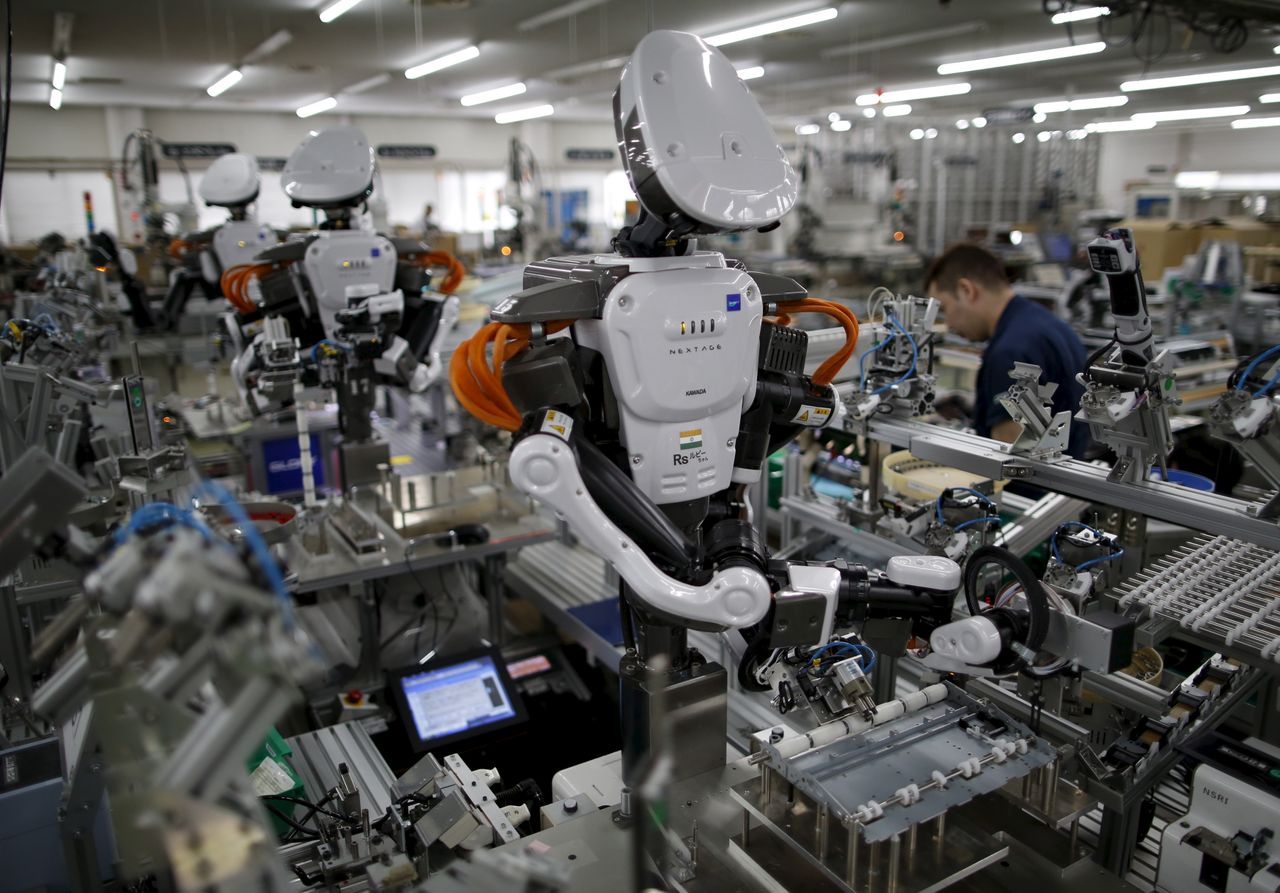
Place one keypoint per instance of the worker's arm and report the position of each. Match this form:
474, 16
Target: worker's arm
1006, 431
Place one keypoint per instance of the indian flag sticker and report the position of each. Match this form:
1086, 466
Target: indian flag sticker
691, 439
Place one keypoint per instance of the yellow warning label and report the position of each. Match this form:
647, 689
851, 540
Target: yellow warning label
557, 423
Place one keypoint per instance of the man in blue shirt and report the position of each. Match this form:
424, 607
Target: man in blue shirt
979, 305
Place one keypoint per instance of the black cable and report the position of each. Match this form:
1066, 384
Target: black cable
307, 833
626, 617
1037, 600
315, 807
1093, 357
312, 811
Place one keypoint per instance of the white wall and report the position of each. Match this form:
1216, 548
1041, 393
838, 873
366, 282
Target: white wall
55, 156
1125, 157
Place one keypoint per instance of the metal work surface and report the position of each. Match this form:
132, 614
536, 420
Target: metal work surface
917, 767
1158, 499
317, 756
1216, 588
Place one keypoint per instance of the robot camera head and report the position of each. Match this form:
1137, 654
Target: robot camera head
698, 149
330, 170
231, 181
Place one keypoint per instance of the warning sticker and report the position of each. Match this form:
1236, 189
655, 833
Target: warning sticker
813, 416
557, 423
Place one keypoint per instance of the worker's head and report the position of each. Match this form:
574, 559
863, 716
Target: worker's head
970, 284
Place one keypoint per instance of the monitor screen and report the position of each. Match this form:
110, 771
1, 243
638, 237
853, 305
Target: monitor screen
1058, 247
462, 698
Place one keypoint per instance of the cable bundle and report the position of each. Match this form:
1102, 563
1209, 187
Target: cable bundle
235, 284
832, 365
476, 375
453, 278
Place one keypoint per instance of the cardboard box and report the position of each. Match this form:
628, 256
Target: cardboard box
1162, 244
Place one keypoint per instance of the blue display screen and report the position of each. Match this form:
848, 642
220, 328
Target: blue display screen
458, 698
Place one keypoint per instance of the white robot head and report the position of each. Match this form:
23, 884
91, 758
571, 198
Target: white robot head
329, 170
231, 181
697, 147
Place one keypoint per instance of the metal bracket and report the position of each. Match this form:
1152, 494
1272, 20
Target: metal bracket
1029, 403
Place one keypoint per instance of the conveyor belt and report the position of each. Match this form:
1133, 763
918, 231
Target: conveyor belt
1218, 589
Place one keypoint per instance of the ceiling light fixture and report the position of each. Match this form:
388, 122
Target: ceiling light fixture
962, 124
560, 12
536, 111
1222, 111
433, 65
1019, 138
1249, 123
55, 98
841, 126
1083, 14
1118, 126
1044, 136
891, 96
978, 121
901, 40
367, 84
333, 10
315, 108
895, 111
505, 92
750, 74
222, 84
807, 129
59, 74
267, 47
1269, 97
797, 21
1067, 52
917, 134
1080, 105
1204, 77
833, 116
1039, 118
868, 113
931, 134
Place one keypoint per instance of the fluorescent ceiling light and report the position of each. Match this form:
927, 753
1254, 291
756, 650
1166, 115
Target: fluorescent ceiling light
1067, 52
560, 12
433, 65
1204, 77
962, 124
268, 46
55, 98
1223, 111
536, 111
333, 10
1240, 181
895, 111
1196, 179
931, 134
1044, 136
1079, 105
59, 74
868, 113
1039, 118
979, 121
1249, 123
1118, 126
316, 108
595, 65
1019, 137
833, 116
493, 95
750, 74
841, 125
797, 21
224, 83
901, 40
1077, 134
908, 95
367, 84
916, 134
807, 129
1083, 14
1269, 97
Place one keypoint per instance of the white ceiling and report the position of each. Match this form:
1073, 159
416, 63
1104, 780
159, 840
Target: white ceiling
163, 53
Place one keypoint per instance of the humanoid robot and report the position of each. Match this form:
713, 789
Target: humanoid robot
342, 305
647, 387
231, 182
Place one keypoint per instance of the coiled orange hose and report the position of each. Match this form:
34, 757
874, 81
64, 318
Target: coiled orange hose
179, 247
832, 365
453, 277
235, 284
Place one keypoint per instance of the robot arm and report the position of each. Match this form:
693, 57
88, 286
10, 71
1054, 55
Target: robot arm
1114, 255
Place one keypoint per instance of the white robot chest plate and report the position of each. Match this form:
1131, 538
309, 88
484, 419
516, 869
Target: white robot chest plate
343, 263
681, 346
239, 242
